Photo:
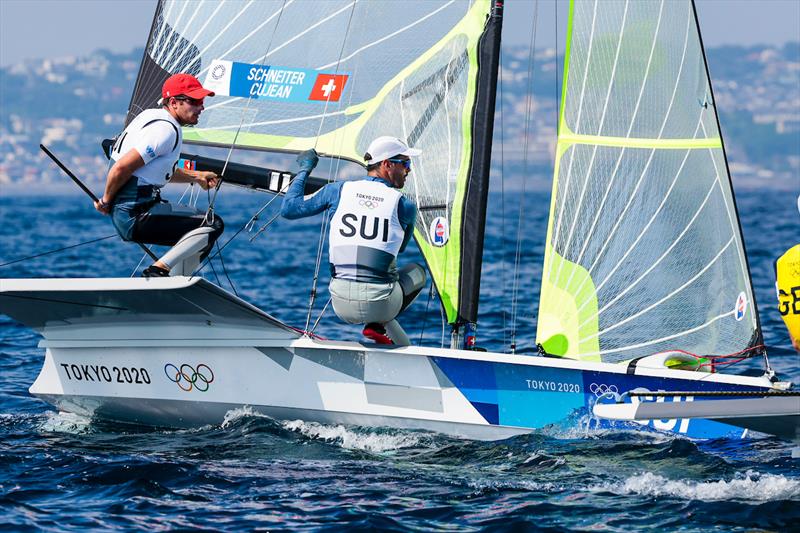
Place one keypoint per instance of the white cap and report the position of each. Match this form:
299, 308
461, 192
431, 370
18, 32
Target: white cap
385, 147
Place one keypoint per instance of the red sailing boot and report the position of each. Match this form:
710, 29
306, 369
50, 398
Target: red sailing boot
377, 333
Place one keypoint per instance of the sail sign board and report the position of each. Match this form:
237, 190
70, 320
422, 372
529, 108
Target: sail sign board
644, 252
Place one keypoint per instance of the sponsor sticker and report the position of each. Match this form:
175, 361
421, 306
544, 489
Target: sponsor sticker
439, 231
271, 82
741, 306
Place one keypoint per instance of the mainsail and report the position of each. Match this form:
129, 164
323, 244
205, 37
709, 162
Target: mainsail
334, 74
644, 251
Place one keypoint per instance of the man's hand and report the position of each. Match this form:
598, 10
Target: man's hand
206, 180
102, 207
308, 160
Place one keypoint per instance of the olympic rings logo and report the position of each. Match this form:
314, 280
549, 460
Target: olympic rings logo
188, 377
369, 204
599, 390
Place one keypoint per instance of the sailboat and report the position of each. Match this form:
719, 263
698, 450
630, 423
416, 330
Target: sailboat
644, 265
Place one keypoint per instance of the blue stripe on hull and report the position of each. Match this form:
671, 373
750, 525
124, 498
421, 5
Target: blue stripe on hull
533, 397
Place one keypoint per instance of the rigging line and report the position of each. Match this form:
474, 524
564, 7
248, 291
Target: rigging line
56, 251
139, 264
263, 228
326, 216
225, 270
646, 167
244, 39
210, 210
425, 314
521, 211
214, 270
588, 172
177, 61
630, 286
503, 246
219, 34
608, 239
662, 339
321, 313
568, 177
665, 298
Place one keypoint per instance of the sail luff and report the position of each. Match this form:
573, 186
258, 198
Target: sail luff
758, 337
139, 75
478, 184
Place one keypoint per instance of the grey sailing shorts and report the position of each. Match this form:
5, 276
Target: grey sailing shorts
356, 302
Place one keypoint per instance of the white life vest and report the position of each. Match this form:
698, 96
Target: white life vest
365, 234
158, 138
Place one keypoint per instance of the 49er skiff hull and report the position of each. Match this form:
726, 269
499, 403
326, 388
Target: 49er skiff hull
183, 352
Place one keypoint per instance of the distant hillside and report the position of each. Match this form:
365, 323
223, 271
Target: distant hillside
70, 104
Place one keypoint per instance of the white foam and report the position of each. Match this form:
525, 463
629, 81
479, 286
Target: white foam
751, 485
234, 415
62, 422
353, 440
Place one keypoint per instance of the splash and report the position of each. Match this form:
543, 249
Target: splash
751, 486
354, 440
240, 413
62, 422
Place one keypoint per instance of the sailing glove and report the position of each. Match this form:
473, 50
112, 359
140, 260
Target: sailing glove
308, 160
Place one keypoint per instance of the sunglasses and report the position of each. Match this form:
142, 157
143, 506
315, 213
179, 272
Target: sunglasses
192, 101
405, 162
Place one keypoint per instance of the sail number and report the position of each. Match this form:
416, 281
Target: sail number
102, 373
786, 302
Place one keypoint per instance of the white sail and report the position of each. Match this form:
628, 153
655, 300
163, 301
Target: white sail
644, 251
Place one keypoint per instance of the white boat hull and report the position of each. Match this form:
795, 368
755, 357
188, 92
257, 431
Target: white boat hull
109, 355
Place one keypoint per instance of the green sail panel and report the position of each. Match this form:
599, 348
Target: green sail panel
407, 68
644, 251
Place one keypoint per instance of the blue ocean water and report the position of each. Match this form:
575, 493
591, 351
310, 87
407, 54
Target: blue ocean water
64, 472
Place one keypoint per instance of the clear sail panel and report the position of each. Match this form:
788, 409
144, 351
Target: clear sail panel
644, 251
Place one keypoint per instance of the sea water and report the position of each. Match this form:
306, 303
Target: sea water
65, 472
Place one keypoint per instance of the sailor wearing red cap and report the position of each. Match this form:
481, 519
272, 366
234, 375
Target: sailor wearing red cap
371, 223
143, 160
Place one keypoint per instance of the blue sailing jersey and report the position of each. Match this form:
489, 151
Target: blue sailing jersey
295, 205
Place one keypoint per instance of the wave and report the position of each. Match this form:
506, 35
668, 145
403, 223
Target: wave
356, 439
750, 486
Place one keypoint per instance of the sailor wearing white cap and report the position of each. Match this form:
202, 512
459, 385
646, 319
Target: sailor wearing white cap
371, 223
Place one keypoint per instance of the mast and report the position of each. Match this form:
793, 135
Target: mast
473, 226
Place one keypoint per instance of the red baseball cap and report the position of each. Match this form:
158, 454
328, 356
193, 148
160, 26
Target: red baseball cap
184, 84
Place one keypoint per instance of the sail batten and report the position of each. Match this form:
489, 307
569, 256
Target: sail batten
643, 250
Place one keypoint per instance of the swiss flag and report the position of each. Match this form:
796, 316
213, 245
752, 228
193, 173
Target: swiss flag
328, 87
